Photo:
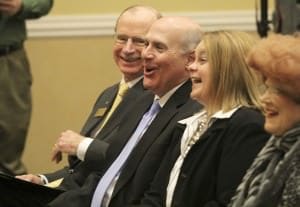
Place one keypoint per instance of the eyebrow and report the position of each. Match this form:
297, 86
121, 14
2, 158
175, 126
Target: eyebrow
154, 41
202, 52
129, 36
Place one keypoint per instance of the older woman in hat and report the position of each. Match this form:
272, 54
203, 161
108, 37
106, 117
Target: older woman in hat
274, 177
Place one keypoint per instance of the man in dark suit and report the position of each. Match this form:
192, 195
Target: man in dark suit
169, 49
127, 56
129, 42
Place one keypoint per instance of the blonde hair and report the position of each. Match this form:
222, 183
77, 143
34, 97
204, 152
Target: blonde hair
233, 82
278, 57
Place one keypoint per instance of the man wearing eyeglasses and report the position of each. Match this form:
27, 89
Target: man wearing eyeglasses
104, 120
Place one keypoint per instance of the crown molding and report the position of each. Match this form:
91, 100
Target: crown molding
103, 25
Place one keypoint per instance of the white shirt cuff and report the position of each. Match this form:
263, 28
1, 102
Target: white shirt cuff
44, 179
82, 148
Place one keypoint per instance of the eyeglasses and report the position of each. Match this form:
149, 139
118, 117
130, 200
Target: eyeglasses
123, 39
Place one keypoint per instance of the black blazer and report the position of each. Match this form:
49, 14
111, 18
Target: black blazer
215, 165
77, 170
20, 193
145, 159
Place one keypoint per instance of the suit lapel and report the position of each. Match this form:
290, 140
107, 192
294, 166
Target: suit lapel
103, 104
156, 128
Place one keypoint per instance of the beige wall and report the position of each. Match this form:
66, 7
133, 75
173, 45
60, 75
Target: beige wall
96, 6
69, 72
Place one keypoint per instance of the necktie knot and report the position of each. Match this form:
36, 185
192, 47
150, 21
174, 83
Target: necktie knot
122, 89
155, 107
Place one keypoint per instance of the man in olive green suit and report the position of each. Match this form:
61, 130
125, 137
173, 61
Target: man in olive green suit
15, 80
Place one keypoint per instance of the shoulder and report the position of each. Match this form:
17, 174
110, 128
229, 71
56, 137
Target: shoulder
109, 90
247, 115
246, 122
107, 94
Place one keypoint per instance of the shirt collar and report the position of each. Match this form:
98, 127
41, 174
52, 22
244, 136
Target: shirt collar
224, 115
132, 82
192, 119
163, 100
218, 115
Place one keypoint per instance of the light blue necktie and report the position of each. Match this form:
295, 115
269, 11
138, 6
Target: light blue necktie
116, 166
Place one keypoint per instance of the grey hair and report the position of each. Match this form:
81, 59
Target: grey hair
191, 39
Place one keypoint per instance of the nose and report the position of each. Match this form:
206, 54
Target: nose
128, 47
146, 53
192, 67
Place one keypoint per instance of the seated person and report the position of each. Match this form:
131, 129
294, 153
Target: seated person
273, 180
127, 50
103, 121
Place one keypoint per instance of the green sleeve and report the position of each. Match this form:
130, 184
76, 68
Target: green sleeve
32, 9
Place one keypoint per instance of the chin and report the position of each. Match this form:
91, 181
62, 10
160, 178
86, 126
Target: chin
196, 99
147, 85
194, 95
272, 130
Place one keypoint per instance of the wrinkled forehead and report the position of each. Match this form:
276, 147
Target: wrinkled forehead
138, 25
132, 30
163, 34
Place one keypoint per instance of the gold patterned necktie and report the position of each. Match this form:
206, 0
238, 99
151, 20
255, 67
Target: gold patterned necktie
123, 88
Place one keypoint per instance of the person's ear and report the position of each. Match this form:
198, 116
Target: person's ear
190, 58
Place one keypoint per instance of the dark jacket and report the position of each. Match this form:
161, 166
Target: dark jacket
145, 159
76, 171
215, 165
20, 193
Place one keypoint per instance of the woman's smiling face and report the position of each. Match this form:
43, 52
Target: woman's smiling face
281, 111
200, 75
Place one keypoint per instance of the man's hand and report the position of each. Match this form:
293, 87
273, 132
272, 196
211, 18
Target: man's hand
31, 178
10, 7
67, 143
